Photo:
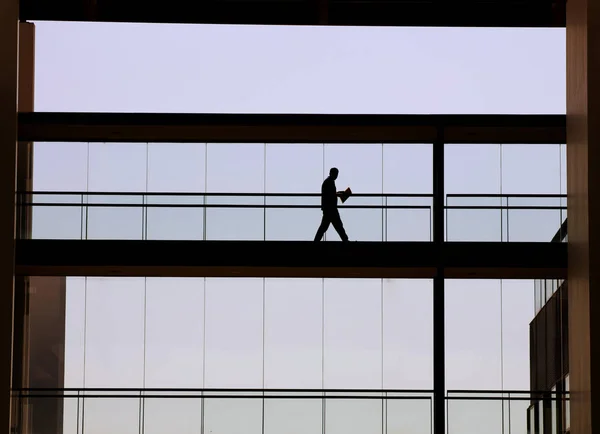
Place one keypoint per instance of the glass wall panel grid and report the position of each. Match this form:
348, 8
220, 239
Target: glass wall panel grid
498, 217
55, 215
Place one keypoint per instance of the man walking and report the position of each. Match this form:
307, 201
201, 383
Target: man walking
329, 205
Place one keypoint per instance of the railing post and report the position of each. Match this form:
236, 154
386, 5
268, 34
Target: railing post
439, 362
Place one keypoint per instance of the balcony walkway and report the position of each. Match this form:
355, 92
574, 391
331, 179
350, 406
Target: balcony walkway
535, 260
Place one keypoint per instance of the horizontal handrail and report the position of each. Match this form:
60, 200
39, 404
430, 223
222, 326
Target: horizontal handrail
523, 195
236, 390
155, 193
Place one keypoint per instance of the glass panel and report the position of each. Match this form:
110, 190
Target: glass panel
60, 166
114, 415
234, 333
172, 415
408, 416
233, 416
483, 224
408, 168
235, 168
175, 223
353, 416
117, 167
293, 416
360, 166
174, 334
176, 167
114, 338
364, 224
293, 333
516, 410
472, 169
408, 333
353, 326
517, 307
57, 222
243, 223
115, 223
74, 332
469, 416
534, 224
528, 169
71, 421
293, 224
294, 168
361, 169
473, 336
408, 224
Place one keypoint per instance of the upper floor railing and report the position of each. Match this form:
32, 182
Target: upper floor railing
309, 411
286, 216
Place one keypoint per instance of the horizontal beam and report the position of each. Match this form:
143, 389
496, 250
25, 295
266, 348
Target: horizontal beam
290, 259
289, 128
446, 13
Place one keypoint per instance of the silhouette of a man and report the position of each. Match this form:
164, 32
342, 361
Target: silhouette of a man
329, 205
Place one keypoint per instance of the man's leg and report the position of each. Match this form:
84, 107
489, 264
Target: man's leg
336, 220
323, 227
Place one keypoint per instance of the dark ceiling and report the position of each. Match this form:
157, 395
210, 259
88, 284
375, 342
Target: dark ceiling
445, 13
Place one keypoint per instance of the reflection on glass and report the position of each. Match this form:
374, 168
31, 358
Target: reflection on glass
233, 416
172, 415
111, 415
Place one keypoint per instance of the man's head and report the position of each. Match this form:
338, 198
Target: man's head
334, 172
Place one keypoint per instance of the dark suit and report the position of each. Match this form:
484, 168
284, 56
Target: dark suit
331, 215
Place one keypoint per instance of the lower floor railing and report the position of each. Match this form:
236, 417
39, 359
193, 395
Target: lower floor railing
278, 411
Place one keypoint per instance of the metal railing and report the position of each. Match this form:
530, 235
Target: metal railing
506, 412
286, 216
265, 411
221, 216
504, 217
262, 411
